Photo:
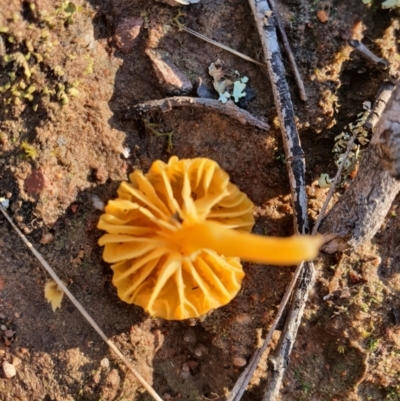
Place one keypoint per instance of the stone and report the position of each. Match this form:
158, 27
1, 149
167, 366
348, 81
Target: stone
239, 361
171, 79
9, 370
127, 32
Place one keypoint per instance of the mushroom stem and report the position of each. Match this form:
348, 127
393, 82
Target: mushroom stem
250, 247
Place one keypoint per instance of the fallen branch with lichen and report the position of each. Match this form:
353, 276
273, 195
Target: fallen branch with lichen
360, 211
164, 105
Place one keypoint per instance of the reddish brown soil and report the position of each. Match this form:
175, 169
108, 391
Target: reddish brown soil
348, 346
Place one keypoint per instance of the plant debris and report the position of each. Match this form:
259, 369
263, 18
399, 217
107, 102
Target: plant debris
361, 141
390, 4
53, 294
226, 83
325, 181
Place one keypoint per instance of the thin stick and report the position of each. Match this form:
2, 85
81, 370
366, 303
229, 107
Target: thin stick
165, 105
384, 94
81, 309
266, 24
220, 45
364, 51
280, 360
245, 377
289, 52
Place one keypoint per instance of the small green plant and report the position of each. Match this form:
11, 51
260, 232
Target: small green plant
154, 129
29, 150
372, 344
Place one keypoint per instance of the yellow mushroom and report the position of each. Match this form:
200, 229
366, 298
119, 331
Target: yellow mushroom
175, 237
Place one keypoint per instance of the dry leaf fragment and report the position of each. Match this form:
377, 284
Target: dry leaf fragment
47, 238
53, 294
322, 16
325, 181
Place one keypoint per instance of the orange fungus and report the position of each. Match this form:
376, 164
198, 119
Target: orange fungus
175, 237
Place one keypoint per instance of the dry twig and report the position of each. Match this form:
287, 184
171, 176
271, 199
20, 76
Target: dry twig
81, 309
265, 21
266, 24
245, 377
288, 49
365, 52
374, 188
167, 104
384, 94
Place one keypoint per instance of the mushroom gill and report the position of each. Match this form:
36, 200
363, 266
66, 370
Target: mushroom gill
175, 236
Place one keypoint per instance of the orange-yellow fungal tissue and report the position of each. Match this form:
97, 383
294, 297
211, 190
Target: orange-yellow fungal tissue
175, 237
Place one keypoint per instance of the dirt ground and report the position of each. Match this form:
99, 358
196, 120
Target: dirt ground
69, 74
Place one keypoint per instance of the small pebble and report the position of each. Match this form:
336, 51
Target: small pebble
105, 363
16, 361
4, 328
192, 364
9, 333
167, 396
5, 203
34, 183
2, 316
243, 318
9, 370
171, 79
190, 336
239, 361
127, 32
322, 16
185, 373
204, 92
126, 152
97, 202
96, 378
200, 350
46, 238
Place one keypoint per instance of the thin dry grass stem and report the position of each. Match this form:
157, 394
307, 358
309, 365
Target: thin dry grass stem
245, 377
220, 45
81, 309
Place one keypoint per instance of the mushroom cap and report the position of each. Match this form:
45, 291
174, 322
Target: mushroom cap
146, 226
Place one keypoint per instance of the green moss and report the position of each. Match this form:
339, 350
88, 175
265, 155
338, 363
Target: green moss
372, 344
29, 150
